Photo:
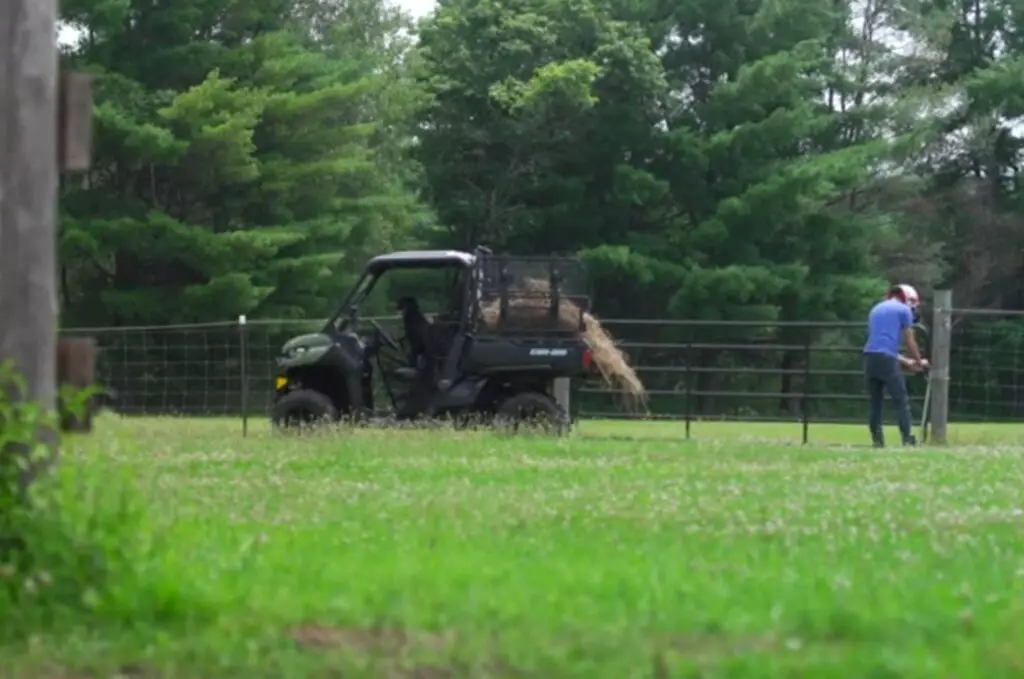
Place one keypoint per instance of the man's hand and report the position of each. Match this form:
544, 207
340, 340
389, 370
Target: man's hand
914, 365
909, 364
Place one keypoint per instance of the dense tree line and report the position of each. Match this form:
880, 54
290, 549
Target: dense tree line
712, 159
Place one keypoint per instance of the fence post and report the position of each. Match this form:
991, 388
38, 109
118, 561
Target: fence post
805, 392
689, 381
243, 347
942, 340
574, 400
28, 207
562, 388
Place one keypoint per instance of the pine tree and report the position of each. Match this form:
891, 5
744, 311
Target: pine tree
244, 163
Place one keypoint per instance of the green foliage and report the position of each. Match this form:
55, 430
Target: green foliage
704, 180
749, 159
87, 550
78, 541
534, 106
20, 426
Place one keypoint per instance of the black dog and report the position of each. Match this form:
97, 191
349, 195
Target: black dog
417, 329
422, 357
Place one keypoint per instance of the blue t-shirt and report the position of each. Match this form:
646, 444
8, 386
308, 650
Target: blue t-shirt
886, 324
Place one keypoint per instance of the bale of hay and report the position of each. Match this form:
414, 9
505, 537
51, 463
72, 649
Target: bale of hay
611, 362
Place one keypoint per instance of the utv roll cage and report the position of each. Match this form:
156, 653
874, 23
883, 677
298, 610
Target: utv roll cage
501, 295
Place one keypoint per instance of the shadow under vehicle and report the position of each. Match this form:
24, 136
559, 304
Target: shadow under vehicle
512, 326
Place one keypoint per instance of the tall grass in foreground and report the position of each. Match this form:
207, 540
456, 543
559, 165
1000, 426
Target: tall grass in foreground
79, 547
88, 553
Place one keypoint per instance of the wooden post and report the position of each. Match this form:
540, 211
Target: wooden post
28, 198
942, 341
74, 122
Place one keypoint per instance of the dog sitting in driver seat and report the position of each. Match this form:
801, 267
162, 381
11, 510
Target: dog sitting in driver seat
417, 330
422, 357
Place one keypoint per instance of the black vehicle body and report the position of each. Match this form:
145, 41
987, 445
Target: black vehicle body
490, 362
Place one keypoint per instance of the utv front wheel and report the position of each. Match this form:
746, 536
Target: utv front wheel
303, 408
532, 411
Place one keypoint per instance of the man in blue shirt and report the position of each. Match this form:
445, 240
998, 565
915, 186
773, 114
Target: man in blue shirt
889, 322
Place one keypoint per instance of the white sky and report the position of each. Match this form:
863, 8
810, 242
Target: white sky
417, 7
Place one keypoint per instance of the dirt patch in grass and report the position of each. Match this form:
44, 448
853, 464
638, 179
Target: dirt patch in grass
718, 645
125, 672
402, 653
393, 648
368, 639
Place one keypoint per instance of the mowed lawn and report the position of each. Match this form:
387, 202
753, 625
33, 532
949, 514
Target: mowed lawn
616, 553
820, 434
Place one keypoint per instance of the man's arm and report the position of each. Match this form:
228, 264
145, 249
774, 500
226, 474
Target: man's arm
908, 337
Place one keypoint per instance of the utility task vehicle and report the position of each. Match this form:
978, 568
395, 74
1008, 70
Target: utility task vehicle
511, 327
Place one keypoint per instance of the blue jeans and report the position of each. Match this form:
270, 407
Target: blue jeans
883, 374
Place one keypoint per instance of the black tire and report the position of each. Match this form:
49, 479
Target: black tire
303, 408
532, 411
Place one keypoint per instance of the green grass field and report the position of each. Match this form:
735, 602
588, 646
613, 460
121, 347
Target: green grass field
620, 552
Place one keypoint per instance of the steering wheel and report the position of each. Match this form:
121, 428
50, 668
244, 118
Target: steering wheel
383, 334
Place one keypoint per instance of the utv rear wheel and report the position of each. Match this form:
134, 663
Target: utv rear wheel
303, 408
532, 411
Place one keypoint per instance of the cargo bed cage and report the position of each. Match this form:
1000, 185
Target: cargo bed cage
528, 296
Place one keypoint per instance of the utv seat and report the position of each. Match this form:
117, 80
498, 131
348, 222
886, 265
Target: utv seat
421, 336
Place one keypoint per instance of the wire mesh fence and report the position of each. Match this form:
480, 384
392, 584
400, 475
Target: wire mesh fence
693, 370
987, 366
745, 371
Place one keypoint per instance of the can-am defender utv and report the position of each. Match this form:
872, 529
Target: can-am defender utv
513, 326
